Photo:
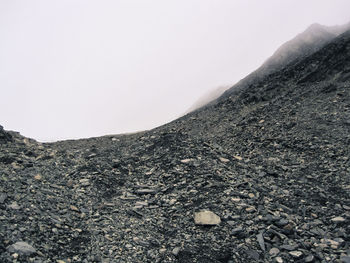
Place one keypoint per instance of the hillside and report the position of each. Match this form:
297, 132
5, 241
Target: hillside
304, 44
271, 161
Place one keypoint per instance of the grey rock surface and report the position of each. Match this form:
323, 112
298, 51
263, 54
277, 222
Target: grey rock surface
21, 248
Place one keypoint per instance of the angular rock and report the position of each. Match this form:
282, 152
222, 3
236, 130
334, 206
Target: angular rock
309, 258
274, 251
21, 248
176, 251
261, 241
206, 218
296, 253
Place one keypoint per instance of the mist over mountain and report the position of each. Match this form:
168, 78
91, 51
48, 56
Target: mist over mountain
312, 39
262, 175
207, 98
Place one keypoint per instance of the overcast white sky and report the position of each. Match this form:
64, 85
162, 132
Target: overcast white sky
81, 68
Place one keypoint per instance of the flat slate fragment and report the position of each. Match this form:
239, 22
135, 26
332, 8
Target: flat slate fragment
146, 191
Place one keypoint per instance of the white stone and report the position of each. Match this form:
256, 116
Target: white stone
279, 260
338, 219
224, 160
296, 253
206, 218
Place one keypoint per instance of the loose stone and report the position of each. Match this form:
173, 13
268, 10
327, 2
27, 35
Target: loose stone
21, 248
206, 218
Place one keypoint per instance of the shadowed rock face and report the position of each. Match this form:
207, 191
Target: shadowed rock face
270, 163
4, 136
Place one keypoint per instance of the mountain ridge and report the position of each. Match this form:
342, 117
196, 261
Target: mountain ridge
309, 41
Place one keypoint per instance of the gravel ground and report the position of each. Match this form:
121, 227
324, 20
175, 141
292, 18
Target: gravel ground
263, 176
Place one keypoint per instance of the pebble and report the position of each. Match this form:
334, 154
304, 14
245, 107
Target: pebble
21, 248
172, 201
279, 260
14, 206
74, 208
251, 195
231, 223
146, 191
261, 241
237, 230
250, 209
206, 218
309, 258
237, 157
3, 197
224, 160
282, 222
289, 247
296, 253
84, 182
274, 251
141, 203
186, 160
253, 254
176, 251
338, 219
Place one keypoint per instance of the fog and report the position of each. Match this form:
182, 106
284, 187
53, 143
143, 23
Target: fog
73, 69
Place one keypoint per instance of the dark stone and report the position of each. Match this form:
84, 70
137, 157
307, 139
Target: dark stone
253, 254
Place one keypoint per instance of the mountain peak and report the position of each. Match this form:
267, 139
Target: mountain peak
315, 26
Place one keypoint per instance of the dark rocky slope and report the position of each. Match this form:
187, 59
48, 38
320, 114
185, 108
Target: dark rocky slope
304, 44
272, 161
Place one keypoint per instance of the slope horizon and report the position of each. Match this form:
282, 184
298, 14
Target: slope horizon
213, 95
121, 68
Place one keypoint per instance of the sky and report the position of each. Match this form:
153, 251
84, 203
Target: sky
81, 68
